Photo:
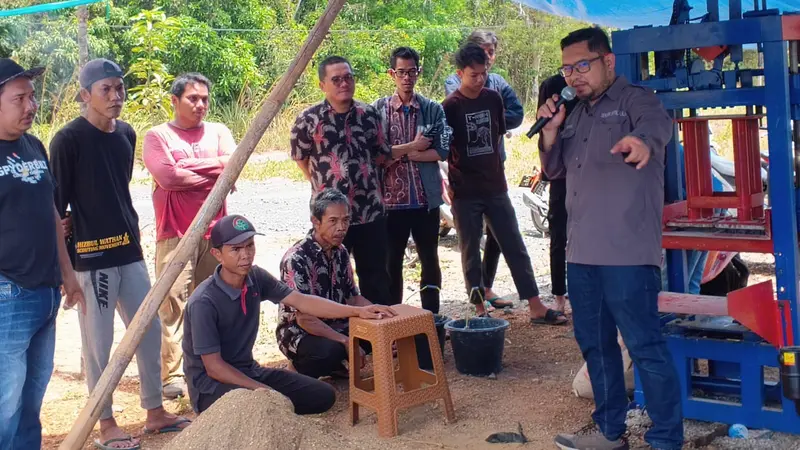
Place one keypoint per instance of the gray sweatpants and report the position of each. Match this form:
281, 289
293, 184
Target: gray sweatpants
122, 288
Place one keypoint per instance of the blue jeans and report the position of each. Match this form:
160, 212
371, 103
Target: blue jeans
603, 299
27, 344
696, 264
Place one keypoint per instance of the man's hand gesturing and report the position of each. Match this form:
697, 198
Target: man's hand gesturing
636, 151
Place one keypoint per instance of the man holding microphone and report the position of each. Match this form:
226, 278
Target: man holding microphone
612, 149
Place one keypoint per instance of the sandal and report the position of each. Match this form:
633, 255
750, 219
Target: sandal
500, 303
174, 428
551, 317
106, 445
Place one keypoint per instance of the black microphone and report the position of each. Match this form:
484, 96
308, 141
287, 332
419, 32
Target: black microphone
567, 94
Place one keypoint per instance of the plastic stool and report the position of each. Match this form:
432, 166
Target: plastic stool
380, 392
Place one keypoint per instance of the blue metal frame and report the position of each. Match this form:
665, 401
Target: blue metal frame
740, 363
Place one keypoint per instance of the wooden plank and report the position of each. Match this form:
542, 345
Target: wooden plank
102, 392
678, 303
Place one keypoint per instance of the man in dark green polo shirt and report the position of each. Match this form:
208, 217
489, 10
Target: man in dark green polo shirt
221, 325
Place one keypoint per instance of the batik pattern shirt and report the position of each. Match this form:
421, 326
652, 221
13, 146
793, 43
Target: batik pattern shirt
402, 182
345, 152
308, 269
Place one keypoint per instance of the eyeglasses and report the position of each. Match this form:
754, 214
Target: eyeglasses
580, 67
412, 73
347, 79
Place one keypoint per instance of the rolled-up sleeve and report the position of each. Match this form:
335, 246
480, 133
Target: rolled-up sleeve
552, 161
443, 134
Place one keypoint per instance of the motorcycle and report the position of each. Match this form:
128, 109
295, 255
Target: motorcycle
537, 199
446, 221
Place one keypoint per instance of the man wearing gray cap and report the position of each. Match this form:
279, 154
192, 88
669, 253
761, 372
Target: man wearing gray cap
33, 263
93, 163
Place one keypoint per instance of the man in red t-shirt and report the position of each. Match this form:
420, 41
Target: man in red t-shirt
185, 157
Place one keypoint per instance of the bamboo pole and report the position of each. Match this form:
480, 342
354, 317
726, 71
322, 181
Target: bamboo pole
101, 394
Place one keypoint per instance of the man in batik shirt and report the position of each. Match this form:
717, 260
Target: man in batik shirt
320, 265
339, 144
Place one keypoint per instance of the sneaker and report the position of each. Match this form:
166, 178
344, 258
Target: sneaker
174, 390
589, 441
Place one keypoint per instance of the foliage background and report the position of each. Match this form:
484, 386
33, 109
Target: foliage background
244, 46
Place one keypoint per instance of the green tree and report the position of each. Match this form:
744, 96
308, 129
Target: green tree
151, 95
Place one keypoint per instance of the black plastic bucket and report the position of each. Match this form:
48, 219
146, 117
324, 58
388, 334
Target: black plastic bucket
423, 350
478, 349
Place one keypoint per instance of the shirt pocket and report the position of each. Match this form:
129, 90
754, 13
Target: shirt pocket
605, 135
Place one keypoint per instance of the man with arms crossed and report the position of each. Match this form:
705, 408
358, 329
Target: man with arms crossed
93, 163
33, 263
185, 157
479, 185
222, 320
612, 151
412, 193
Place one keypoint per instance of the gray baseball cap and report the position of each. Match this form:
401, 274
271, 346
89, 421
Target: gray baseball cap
96, 70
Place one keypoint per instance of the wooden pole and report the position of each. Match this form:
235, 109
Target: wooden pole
101, 394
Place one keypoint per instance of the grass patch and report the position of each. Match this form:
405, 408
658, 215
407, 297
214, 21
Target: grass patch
522, 155
264, 170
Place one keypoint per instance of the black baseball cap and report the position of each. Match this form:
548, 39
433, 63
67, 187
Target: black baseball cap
10, 70
96, 70
232, 230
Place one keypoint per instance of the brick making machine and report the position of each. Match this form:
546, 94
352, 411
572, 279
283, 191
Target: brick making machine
729, 351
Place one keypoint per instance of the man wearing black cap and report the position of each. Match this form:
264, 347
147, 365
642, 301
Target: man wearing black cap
33, 263
93, 164
221, 325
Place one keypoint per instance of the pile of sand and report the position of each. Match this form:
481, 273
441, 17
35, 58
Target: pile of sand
244, 419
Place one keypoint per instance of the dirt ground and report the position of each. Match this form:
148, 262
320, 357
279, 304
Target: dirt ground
534, 389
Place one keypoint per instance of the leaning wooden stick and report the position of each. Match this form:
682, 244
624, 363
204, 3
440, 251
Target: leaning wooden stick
147, 312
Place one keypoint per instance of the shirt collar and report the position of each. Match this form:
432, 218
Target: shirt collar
316, 247
397, 103
615, 90
229, 290
327, 108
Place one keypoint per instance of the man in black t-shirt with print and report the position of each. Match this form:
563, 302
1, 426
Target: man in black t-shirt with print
93, 164
478, 181
33, 263
222, 319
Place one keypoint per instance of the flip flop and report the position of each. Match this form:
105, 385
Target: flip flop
174, 428
105, 445
493, 301
551, 317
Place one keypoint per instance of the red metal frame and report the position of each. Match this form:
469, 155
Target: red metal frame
697, 211
755, 308
791, 27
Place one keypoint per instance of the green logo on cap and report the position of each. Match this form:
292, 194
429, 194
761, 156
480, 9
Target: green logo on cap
241, 224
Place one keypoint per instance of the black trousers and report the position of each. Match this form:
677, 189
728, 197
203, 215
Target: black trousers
320, 357
423, 226
367, 243
502, 220
491, 259
308, 395
557, 224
